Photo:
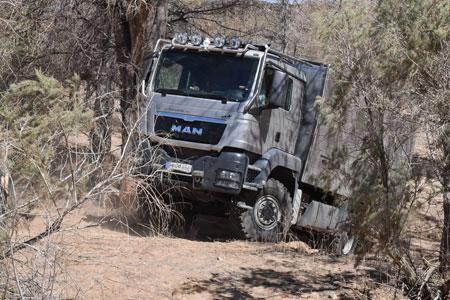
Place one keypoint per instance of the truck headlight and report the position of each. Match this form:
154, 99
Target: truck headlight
228, 179
229, 175
228, 184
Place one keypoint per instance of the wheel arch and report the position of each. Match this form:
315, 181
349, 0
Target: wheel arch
281, 166
286, 177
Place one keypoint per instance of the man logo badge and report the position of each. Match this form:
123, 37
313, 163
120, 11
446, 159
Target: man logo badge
187, 130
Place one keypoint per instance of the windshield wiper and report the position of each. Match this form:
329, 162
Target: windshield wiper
172, 92
224, 99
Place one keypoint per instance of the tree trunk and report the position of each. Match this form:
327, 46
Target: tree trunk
284, 24
444, 253
4, 179
103, 107
445, 238
101, 133
134, 31
159, 24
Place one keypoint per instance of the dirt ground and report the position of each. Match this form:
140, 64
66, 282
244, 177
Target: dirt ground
101, 256
115, 261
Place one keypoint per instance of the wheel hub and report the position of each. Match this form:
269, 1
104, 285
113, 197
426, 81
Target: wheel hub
267, 212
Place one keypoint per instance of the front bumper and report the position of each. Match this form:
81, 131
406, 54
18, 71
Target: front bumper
225, 173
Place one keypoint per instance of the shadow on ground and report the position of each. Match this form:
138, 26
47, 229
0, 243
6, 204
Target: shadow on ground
202, 228
123, 224
260, 283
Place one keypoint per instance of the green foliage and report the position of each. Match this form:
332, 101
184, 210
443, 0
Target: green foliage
40, 115
385, 55
390, 41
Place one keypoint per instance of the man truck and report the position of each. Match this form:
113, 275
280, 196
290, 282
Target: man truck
237, 126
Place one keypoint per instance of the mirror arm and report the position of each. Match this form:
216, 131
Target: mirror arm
260, 77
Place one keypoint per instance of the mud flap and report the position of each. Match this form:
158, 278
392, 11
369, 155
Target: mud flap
296, 205
323, 217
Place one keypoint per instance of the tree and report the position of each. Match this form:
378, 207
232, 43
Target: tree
136, 26
391, 60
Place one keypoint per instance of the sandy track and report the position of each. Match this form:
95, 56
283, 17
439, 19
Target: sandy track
111, 262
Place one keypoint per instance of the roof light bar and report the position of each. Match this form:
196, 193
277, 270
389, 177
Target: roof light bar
181, 38
235, 42
196, 39
219, 41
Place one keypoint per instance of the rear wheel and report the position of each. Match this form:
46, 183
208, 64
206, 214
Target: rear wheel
270, 218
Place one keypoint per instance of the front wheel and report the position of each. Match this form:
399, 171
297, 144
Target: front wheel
271, 216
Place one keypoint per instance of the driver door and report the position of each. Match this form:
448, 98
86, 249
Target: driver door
277, 125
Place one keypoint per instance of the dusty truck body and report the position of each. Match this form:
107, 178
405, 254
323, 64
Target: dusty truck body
238, 127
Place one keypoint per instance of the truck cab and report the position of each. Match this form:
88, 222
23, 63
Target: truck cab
233, 123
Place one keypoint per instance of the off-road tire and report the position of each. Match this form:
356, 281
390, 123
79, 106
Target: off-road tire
275, 190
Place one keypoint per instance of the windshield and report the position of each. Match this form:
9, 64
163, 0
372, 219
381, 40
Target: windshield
206, 75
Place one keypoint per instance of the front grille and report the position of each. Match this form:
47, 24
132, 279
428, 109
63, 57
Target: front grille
185, 153
192, 131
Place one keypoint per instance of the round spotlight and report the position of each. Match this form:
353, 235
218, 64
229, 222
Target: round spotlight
181, 38
235, 42
219, 41
196, 39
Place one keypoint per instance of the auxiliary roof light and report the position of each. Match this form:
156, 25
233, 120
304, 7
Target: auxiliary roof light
219, 41
181, 38
235, 42
196, 39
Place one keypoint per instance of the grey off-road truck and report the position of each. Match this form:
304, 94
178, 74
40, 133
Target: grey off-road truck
237, 126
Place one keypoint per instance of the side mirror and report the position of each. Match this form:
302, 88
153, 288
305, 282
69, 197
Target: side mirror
149, 61
278, 90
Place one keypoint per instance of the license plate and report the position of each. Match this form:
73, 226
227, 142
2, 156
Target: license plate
180, 167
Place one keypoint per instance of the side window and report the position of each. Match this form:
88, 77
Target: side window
264, 93
279, 86
281, 91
